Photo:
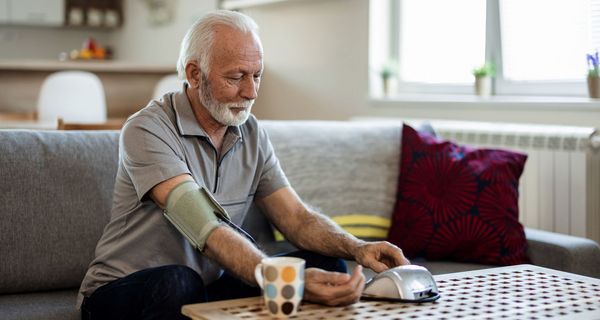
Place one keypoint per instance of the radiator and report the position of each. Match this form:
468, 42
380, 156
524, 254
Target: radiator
560, 186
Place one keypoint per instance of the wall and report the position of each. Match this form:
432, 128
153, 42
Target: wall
46, 43
139, 40
578, 112
316, 67
316, 57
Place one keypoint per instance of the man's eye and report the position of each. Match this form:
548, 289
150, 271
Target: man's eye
257, 76
235, 78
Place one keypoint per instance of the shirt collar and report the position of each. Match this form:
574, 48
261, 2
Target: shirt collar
186, 120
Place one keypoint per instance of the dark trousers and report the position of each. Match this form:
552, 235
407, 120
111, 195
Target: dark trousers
159, 293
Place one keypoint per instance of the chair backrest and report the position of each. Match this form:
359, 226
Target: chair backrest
75, 96
110, 124
166, 84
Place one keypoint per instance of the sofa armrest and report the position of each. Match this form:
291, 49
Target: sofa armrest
563, 252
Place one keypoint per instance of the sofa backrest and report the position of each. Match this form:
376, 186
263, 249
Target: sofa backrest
339, 167
56, 194
56, 190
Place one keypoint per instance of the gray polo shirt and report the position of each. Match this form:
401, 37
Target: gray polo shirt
159, 142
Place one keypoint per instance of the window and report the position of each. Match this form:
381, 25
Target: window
445, 48
539, 47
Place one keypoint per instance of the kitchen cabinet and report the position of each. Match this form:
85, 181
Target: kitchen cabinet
59, 13
94, 13
35, 12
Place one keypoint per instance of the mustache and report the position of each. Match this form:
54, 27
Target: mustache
246, 104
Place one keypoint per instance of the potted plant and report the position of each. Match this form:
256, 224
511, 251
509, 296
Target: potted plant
388, 72
483, 79
593, 78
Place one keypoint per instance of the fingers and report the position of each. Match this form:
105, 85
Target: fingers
334, 292
397, 255
378, 266
326, 277
357, 284
381, 256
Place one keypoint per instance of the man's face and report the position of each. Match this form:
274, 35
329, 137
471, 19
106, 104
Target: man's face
229, 90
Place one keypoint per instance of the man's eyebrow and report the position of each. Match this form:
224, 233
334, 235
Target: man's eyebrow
243, 70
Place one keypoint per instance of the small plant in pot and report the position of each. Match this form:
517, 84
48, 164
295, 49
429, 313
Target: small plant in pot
593, 78
483, 79
388, 72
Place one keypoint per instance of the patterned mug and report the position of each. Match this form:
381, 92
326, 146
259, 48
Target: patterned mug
282, 281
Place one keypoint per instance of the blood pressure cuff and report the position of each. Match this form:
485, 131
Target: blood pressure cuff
194, 212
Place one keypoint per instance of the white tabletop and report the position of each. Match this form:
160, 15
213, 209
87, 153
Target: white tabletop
515, 292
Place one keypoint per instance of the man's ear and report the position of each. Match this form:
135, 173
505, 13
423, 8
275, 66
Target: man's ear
192, 74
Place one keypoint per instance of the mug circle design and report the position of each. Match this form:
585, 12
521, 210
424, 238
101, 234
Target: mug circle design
271, 291
273, 308
271, 273
288, 274
288, 292
287, 307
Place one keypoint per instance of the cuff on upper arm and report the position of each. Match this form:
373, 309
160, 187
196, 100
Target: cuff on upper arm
193, 212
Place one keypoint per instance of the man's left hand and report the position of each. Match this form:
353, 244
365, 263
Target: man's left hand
380, 256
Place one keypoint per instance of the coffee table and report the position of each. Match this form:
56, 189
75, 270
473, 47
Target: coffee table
515, 292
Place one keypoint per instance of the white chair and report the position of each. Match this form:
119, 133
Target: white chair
166, 84
75, 96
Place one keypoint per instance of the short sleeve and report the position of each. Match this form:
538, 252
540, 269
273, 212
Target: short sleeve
151, 153
272, 177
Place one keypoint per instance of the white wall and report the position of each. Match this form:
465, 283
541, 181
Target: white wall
316, 57
20, 42
316, 67
140, 40
316, 61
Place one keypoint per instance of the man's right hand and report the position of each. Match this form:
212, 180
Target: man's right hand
333, 288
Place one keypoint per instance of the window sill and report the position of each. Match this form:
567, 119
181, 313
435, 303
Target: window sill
493, 102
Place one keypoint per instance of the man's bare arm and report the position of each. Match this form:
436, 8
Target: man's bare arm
224, 245
313, 231
305, 228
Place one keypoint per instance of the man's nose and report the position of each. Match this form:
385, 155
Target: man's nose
249, 88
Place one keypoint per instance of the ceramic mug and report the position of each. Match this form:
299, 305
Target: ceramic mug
282, 281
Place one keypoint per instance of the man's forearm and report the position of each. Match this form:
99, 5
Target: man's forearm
316, 232
234, 252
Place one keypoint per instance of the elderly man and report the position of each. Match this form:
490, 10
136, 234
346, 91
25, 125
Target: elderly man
178, 153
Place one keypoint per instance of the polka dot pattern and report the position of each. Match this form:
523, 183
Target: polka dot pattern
284, 288
287, 292
288, 274
271, 273
271, 291
273, 306
287, 307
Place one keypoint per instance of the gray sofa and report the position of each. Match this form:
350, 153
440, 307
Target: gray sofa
56, 194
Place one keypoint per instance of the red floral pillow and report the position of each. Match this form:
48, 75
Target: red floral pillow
458, 203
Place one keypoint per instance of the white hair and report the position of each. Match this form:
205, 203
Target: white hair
198, 41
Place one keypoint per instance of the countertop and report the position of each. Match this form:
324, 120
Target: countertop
113, 66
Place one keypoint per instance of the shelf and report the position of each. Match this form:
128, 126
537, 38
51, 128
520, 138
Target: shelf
241, 4
113, 66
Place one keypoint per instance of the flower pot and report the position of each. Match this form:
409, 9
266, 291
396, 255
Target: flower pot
389, 86
594, 87
483, 86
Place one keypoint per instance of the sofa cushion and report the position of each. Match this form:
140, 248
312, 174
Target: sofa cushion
56, 194
56, 305
347, 170
458, 203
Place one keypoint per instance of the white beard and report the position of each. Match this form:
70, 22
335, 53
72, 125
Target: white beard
222, 112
